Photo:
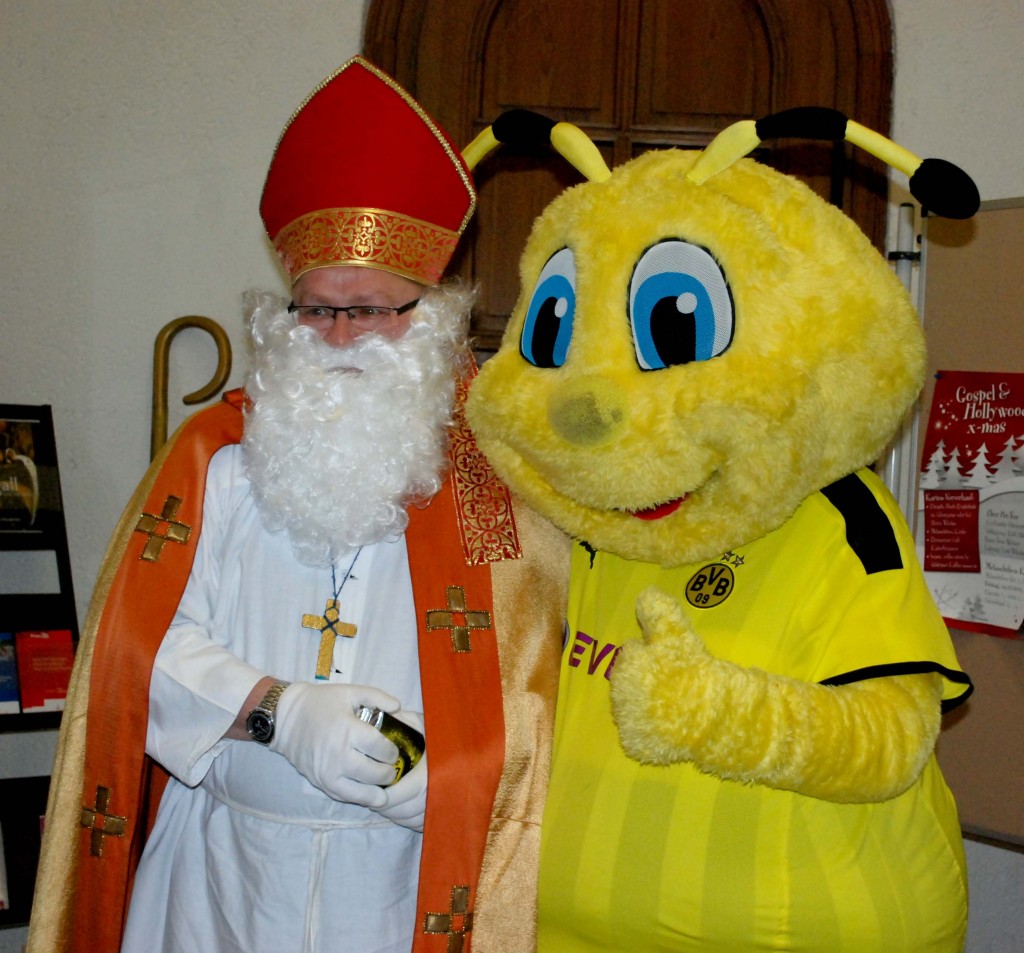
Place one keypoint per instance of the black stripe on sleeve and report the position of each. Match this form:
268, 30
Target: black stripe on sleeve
868, 530
909, 668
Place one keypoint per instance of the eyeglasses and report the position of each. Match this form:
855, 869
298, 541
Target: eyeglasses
366, 317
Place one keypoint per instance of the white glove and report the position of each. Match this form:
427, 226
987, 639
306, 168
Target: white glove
407, 799
318, 731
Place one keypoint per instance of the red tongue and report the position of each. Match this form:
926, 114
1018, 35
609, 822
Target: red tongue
660, 511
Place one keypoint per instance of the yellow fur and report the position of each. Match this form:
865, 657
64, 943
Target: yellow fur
807, 815
826, 357
824, 333
673, 702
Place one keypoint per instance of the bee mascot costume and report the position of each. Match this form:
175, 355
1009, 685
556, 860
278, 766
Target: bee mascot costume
704, 361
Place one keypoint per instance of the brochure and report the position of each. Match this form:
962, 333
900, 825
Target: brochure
44, 668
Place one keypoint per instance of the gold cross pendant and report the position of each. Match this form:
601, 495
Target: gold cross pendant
330, 627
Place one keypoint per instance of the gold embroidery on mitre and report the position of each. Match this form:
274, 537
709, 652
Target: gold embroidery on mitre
454, 924
483, 503
366, 236
153, 527
100, 823
472, 619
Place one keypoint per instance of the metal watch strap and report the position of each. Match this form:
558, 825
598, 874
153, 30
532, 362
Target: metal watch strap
261, 729
273, 696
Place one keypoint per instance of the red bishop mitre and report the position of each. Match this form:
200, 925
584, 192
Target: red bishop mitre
363, 176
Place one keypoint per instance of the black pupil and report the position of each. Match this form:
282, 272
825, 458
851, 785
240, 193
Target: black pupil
674, 334
545, 333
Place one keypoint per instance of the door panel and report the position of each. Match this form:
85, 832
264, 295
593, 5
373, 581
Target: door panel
685, 55
634, 75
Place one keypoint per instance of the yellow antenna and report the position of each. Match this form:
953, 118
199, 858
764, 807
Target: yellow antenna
940, 186
522, 127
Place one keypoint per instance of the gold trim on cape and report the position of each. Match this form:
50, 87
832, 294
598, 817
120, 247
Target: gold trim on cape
483, 503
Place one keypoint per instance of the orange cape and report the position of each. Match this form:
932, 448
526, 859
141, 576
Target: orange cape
500, 576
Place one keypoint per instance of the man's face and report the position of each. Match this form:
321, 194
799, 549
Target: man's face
346, 286
338, 442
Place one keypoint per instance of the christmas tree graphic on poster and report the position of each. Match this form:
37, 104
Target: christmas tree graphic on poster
971, 509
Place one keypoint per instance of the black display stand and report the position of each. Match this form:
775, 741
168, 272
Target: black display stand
22, 806
32, 524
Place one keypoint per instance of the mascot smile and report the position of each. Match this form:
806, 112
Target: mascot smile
704, 362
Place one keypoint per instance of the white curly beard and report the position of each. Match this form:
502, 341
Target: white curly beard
340, 441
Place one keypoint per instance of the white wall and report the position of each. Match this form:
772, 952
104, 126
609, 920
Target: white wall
136, 136
958, 87
135, 139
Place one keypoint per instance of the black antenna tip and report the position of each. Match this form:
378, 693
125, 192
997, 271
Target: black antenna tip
523, 127
945, 189
803, 122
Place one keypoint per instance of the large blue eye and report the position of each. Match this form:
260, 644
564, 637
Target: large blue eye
680, 308
548, 326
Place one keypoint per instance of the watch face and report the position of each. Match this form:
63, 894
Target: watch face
260, 726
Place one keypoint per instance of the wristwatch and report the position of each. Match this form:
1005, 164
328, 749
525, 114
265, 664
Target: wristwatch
260, 721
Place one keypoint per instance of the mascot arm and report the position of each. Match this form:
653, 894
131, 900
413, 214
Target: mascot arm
673, 702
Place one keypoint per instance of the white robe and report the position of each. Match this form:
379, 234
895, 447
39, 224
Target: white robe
246, 855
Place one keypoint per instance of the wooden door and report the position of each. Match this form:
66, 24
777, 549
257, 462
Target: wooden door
634, 75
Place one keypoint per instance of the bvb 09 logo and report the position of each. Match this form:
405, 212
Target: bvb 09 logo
710, 586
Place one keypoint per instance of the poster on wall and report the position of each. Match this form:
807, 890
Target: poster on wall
29, 484
971, 503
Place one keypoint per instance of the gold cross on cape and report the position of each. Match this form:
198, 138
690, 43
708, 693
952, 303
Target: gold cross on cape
449, 618
100, 822
456, 924
330, 627
175, 531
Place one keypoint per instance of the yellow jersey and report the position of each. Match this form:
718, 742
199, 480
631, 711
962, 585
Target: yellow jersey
648, 858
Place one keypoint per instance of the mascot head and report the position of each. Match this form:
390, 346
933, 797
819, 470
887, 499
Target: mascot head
700, 342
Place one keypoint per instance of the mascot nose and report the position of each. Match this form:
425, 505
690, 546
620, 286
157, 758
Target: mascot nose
587, 412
